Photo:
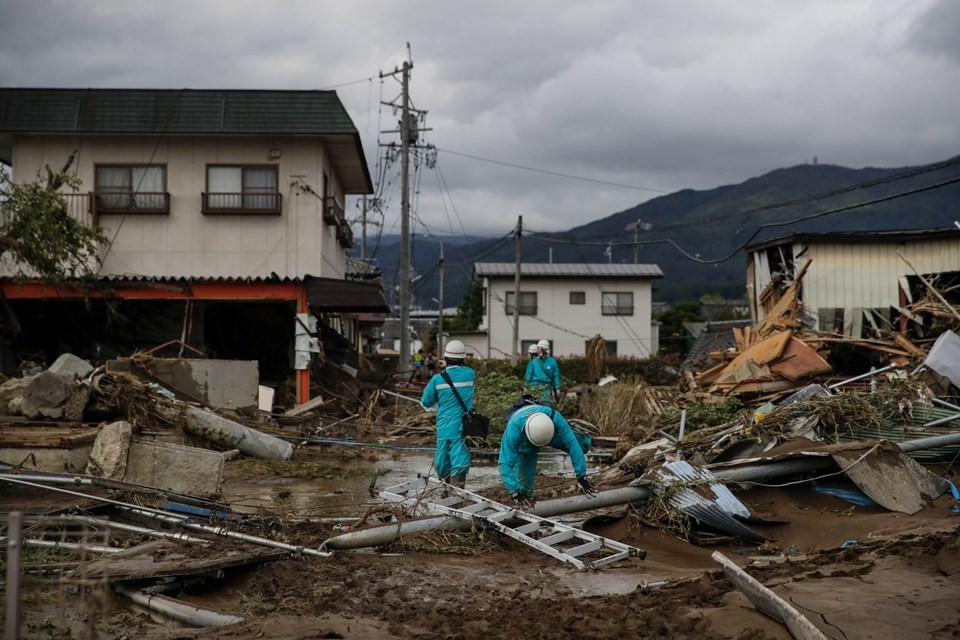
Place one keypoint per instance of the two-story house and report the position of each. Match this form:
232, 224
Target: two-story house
224, 214
567, 304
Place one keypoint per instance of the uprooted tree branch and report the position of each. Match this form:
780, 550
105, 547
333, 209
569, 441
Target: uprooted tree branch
38, 237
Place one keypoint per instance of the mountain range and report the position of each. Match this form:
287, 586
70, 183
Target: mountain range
709, 225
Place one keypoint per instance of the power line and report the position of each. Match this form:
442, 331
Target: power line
819, 214
804, 200
551, 173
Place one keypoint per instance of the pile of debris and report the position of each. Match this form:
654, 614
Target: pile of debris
783, 353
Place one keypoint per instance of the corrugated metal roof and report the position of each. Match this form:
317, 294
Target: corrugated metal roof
854, 237
567, 270
184, 281
173, 111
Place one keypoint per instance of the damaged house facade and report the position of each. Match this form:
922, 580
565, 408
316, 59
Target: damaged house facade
224, 213
567, 304
857, 283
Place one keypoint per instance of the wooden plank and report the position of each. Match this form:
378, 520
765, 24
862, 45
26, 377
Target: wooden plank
761, 353
799, 361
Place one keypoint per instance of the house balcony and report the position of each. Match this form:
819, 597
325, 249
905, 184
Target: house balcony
80, 208
344, 234
332, 211
128, 202
242, 203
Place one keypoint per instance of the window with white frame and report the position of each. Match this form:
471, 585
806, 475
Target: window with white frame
616, 303
242, 189
528, 303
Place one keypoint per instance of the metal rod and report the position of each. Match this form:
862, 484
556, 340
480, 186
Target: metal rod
868, 374
683, 423
72, 546
222, 531
12, 618
121, 526
399, 395
936, 423
944, 403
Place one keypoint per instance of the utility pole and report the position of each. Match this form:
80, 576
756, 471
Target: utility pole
440, 305
516, 294
405, 221
363, 233
637, 227
409, 136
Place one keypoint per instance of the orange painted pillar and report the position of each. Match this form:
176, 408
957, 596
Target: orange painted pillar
303, 375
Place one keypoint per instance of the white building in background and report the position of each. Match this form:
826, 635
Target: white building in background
857, 282
567, 304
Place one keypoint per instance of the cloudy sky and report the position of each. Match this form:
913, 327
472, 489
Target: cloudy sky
626, 99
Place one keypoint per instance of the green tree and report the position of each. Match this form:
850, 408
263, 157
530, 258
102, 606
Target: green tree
37, 234
673, 337
470, 312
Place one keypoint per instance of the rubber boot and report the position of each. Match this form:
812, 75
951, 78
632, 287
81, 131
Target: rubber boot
459, 480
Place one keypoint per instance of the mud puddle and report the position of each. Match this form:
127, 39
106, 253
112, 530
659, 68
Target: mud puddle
347, 493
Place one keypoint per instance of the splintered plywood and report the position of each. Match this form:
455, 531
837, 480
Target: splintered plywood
761, 353
799, 361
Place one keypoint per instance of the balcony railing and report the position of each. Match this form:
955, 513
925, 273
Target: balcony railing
129, 202
345, 234
242, 203
332, 210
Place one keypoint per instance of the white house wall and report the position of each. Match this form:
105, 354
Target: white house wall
856, 276
186, 243
579, 322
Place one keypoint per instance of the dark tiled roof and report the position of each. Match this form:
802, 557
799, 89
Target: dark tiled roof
714, 336
172, 111
567, 270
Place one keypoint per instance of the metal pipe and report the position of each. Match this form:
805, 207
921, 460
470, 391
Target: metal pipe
400, 395
72, 546
868, 374
944, 403
13, 576
938, 422
181, 521
754, 472
180, 611
122, 526
226, 533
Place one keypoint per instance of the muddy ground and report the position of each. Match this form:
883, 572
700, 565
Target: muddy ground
897, 577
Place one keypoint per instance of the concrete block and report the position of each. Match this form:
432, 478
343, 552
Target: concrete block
69, 366
45, 396
172, 467
11, 395
108, 459
227, 384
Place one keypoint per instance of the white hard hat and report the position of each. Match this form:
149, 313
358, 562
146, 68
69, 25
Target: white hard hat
544, 344
455, 350
532, 348
539, 429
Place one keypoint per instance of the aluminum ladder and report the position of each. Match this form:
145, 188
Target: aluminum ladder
563, 542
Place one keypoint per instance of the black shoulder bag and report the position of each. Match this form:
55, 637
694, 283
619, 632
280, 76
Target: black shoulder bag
475, 425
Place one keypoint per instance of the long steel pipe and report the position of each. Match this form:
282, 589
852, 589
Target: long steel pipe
754, 472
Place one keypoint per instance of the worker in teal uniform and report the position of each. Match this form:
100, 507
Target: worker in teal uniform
529, 429
543, 375
452, 459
